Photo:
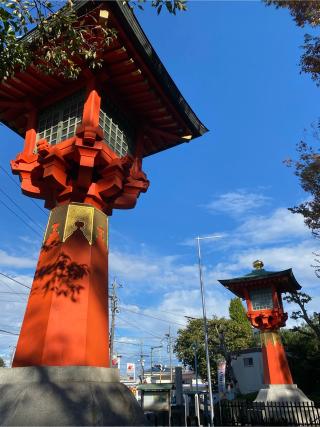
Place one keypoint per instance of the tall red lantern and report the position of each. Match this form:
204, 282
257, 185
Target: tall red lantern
84, 143
262, 290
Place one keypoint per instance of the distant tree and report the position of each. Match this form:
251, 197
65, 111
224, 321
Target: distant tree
305, 12
303, 352
2, 363
238, 314
64, 43
225, 336
311, 329
307, 169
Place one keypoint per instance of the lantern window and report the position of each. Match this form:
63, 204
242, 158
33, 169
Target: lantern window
59, 121
261, 299
118, 132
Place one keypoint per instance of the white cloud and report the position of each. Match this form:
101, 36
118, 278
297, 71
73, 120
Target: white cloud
298, 256
7, 260
152, 272
280, 225
237, 202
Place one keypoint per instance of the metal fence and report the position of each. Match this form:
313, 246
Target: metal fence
243, 413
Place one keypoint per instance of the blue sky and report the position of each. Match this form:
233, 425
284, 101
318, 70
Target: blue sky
236, 63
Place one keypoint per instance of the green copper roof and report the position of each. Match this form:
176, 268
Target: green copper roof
284, 281
258, 272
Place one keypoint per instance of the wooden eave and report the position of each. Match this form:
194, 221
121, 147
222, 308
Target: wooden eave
284, 281
132, 73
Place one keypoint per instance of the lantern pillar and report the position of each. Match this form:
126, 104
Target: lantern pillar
66, 320
275, 364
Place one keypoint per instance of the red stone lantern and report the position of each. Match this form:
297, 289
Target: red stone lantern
84, 143
263, 291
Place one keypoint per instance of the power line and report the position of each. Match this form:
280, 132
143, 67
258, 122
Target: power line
165, 311
152, 317
31, 200
10, 300
12, 292
21, 219
130, 343
8, 332
19, 207
8, 286
14, 280
138, 327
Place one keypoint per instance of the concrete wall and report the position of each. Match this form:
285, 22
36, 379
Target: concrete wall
248, 369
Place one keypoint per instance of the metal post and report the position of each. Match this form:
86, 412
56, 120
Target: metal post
142, 362
151, 366
195, 348
114, 310
170, 355
153, 348
205, 327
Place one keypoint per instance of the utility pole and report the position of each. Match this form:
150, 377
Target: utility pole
151, 361
170, 353
114, 309
205, 326
142, 362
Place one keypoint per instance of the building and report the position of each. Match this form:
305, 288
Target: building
248, 369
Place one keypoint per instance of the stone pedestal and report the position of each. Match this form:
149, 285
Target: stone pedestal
66, 396
282, 393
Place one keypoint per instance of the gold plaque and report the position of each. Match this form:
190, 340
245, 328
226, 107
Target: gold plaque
67, 219
270, 337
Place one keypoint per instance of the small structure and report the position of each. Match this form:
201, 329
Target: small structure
263, 291
156, 399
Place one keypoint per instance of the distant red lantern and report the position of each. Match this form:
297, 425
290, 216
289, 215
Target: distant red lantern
263, 291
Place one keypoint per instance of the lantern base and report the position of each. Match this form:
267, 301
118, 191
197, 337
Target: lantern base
281, 393
66, 396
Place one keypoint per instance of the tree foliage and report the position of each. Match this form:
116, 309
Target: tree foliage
2, 363
64, 42
303, 352
311, 327
238, 314
225, 336
307, 169
305, 12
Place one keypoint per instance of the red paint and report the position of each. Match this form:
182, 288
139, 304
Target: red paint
66, 320
80, 169
275, 365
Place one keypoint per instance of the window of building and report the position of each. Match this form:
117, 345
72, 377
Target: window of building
59, 121
247, 362
261, 299
118, 133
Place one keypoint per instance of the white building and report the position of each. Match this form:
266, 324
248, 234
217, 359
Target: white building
248, 369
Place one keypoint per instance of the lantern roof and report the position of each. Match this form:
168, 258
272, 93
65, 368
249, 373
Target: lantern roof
284, 280
133, 77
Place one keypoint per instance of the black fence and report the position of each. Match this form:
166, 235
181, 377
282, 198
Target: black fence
243, 413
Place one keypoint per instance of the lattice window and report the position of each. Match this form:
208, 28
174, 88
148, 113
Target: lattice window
118, 134
59, 122
261, 299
